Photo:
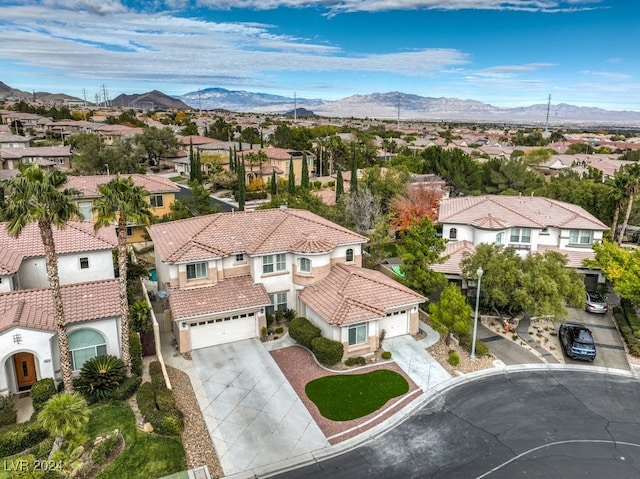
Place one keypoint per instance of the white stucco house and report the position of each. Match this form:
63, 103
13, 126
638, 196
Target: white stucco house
28, 342
224, 273
527, 223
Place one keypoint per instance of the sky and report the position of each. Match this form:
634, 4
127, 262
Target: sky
506, 53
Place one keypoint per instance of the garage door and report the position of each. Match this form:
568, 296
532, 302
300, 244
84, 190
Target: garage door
395, 325
223, 330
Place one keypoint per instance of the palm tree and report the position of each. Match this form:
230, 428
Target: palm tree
62, 416
632, 172
38, 196
617, 194
123, 203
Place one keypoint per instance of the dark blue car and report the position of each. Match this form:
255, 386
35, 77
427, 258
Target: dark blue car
577, 341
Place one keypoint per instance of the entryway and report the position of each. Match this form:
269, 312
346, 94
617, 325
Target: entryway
25, 368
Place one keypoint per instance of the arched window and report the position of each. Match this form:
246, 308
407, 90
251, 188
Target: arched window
84, 345
453, 233
305, 265
350, 255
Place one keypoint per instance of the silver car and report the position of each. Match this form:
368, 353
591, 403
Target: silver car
596, 303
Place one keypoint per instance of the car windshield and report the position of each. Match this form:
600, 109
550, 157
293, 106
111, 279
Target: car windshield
596, 298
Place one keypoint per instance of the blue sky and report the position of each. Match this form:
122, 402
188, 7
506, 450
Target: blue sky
506, 53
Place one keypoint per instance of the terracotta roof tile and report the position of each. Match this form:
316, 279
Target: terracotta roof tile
88, 184
453, 254
574, 258
77, 236
254, 232
33, 308
350, 294
228, 295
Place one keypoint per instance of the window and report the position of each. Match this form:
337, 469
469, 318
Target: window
305, 265
157, 201
84, 345
278, 303
520, 235
453, 233
239, 258
580, 237
196, 270
268, 264
357, 334
84, 207
84, 263
349, 255
499, 238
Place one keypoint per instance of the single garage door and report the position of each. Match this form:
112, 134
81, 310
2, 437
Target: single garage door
395, 325
223, 330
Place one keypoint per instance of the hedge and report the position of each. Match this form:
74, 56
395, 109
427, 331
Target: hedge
127, 387
41, 392
356, 361
629, 325
135, 349
8, 413
157, 404
17, 438
303, 331
327, 351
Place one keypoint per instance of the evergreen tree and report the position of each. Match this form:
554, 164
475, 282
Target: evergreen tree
232, 166
353, 187
304, 180
198, 175
339, 185
292, 179
274, 183
192, 162
242, 186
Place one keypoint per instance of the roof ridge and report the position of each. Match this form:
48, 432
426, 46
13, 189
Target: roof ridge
267, 232
327, 223
392, 283
515, 211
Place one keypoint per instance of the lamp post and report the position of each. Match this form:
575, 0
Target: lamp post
475, 316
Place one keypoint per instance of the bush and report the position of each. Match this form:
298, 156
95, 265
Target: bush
127, 388
41, 392
158, 406
8, 413
135, 349
17, 438
327, 351
100, 376
303, 331
279, 330
386, 355
454, 358
100, 452
356, 361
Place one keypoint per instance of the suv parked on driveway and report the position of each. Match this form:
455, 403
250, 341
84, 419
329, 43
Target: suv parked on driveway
577, 341
596, 303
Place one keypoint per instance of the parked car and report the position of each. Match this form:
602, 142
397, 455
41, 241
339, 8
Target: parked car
577, 341
596, 303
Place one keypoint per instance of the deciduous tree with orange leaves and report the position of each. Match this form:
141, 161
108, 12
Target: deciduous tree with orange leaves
417, 203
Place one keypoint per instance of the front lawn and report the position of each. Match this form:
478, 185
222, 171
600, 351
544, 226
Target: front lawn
145, 455
350, 396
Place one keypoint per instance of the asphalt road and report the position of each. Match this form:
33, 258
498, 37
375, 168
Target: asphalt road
538, 424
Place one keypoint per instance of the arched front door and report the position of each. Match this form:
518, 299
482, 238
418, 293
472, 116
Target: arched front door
25, 367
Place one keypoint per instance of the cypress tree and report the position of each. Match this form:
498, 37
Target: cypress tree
242, 187
353, 187
198, 177
274, 183
292, 179
339, 185
304, 180
231, 165
192, 162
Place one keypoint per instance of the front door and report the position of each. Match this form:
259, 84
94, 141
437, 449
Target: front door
25, 370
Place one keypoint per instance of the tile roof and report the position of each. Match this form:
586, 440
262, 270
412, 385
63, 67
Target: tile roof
253, 232
76, 237
574, 258
36, 152
275, 153
499, 212
88, 185
228, 295
454, 253
350, 294
33, 308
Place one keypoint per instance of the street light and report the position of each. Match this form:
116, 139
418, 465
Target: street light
475, 317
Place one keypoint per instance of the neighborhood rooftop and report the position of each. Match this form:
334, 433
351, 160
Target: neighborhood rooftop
88, 185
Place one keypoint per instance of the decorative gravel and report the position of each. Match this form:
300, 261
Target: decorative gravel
299, 367
195, 437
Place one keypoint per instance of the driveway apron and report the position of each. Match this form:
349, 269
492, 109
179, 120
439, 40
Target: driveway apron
254, 416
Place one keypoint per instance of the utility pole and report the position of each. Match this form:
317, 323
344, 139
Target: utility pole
546, 123
295, 108
398, 112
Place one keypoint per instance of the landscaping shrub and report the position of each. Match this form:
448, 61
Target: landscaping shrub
8, 413
127, 388
303, 331
629, 325
100, 452
327, 351
41, 392
356, 361
17, 438
481, 348
454, 358
157, 378
99, 377
135, 349
386, 355
158, 406
279, 330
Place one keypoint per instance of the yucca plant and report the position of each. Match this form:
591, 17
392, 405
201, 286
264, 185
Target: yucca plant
99, 377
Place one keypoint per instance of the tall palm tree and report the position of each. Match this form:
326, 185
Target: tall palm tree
62, 416
122, 203
617, 194
632, 172
39, 196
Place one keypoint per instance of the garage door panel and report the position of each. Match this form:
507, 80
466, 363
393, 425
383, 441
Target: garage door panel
222, 330
394, 325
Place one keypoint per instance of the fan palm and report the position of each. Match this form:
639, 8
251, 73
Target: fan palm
39, 196
617, 193
632, 172
122, 203
62, 416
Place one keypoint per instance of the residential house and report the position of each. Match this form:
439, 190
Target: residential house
162, 194
14, 141
49, 157
28, 341
224, 273
527, 223
278, 158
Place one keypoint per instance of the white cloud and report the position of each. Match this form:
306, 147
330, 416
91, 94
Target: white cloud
98, 7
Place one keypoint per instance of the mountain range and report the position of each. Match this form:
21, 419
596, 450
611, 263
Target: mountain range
390, 106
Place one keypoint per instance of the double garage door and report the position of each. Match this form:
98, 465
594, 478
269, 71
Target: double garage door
223, 330
395, 325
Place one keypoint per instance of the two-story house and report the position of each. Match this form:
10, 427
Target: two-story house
162, 194
224, 273
278, 159
28, 342
527, 223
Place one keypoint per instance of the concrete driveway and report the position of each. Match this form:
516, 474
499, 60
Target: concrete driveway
254, 416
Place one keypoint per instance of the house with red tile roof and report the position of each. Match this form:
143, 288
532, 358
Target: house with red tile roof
527, 223
28, 343
225, 273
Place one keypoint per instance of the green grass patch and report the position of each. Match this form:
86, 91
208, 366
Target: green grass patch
350, 396
145, 455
